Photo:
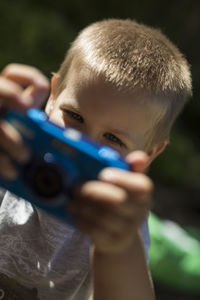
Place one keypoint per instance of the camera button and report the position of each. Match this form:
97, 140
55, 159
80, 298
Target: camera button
108, 153
72, 134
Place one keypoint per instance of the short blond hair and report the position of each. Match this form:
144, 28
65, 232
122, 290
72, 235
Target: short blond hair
134, 57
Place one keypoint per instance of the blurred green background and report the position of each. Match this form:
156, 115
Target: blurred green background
39, 32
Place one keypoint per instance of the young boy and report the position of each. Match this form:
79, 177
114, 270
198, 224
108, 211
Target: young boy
123, 84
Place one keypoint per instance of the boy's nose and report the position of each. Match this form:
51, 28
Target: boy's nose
93, 134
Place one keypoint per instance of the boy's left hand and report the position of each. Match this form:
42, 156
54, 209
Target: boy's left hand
111, 210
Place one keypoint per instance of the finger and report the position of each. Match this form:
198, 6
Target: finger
37, 83
7, 169
99, 217
10, 94
109, 209
107, 220
136, 184
12, 143
100, 192
112, 202
37, 95
25, 75
138, 160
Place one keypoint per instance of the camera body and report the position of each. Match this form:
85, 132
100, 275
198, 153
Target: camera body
61, 159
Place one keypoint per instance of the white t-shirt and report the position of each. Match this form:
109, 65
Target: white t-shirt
43, 253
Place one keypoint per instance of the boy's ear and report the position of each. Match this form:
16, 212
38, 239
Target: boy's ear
156, 150
53, 82
51, 100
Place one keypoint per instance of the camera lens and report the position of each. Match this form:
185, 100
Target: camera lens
45, 180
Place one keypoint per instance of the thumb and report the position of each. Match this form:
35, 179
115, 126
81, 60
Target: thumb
138, 161
35, 86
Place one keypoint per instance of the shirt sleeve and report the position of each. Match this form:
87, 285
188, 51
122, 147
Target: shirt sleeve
145, 237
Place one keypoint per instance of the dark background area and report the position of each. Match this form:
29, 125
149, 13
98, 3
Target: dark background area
39, 32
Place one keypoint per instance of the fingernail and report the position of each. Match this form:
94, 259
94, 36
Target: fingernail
27, 100
107, 174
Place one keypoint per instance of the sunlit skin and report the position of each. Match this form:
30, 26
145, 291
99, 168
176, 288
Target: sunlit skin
100, 111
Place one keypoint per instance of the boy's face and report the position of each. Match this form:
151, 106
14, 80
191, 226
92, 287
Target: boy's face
98, 110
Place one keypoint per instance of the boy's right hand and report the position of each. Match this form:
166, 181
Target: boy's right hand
21, 87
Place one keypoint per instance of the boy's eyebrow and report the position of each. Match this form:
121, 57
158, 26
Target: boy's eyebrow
70, 106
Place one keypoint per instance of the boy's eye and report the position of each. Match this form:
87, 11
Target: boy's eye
74, 116
113, 139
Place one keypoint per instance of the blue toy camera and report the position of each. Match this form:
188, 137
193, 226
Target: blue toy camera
61, 159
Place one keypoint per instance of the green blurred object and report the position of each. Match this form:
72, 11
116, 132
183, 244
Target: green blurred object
174, 256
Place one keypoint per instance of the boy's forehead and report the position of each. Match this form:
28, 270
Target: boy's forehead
82, 76
85, 83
